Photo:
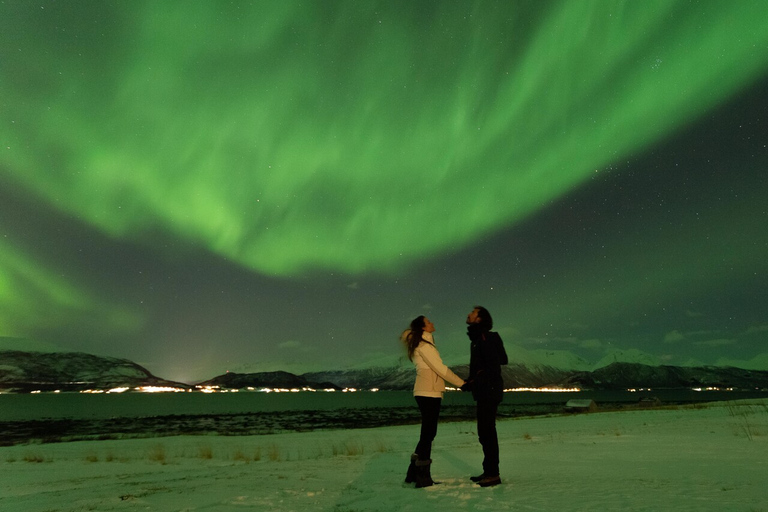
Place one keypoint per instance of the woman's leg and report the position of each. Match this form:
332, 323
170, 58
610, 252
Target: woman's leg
430, 413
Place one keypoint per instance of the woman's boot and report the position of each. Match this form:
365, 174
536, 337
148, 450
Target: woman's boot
423, 476
410, 477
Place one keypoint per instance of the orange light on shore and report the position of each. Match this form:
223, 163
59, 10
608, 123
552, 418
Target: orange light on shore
159, 389
544, 390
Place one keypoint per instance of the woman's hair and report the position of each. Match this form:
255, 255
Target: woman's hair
413, 336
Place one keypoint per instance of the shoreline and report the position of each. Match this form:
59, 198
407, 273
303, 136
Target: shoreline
63, 430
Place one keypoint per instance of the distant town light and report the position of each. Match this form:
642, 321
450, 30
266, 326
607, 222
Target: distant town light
544, 390
158, 389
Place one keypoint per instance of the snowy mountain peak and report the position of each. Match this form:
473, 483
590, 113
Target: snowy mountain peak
627, 356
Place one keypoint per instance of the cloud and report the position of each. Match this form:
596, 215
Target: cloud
757, 329
507, 332
290, 344
674, 337
694, 363
716, 342
693, 314
353, 286
593, 344
25, 345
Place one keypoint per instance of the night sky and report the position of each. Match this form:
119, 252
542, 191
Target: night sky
206, 186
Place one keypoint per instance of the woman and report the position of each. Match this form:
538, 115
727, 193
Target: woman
431, 375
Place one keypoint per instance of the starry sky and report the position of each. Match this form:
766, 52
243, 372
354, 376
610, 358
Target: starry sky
230, 185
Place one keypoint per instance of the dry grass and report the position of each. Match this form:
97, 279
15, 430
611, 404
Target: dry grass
745, 414
111, 457
158, 454
205, 452
273, 453
380, 447
34, 457
239, 455
247, 453
348, 448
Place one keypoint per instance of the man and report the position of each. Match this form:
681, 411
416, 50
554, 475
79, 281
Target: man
487, 354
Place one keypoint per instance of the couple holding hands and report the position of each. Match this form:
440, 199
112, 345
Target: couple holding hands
487, 354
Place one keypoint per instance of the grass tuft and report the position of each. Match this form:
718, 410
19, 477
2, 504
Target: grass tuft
205, 452
273, 453
239, 455
34, 457
157, 454
348, 448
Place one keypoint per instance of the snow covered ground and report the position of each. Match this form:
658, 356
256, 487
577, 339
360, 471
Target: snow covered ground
710, 457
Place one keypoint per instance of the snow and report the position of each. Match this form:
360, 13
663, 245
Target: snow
632, 355
759, 362
560, 359
709, 457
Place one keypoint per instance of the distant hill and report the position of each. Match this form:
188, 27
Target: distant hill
24, 372
71, 371
232, 380
633, 375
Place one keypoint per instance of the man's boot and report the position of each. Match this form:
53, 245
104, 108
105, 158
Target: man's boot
489, 481
423, 476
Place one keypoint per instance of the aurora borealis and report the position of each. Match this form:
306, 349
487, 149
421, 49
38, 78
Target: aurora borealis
202, 185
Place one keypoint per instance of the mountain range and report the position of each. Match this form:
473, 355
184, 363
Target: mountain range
30, 371
72, 371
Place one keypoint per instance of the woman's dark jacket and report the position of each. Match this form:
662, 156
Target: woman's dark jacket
487, 354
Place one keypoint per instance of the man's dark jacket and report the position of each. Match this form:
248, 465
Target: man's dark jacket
487, 354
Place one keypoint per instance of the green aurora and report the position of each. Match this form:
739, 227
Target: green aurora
292, 136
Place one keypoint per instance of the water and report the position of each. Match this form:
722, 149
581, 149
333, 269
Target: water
44, 406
